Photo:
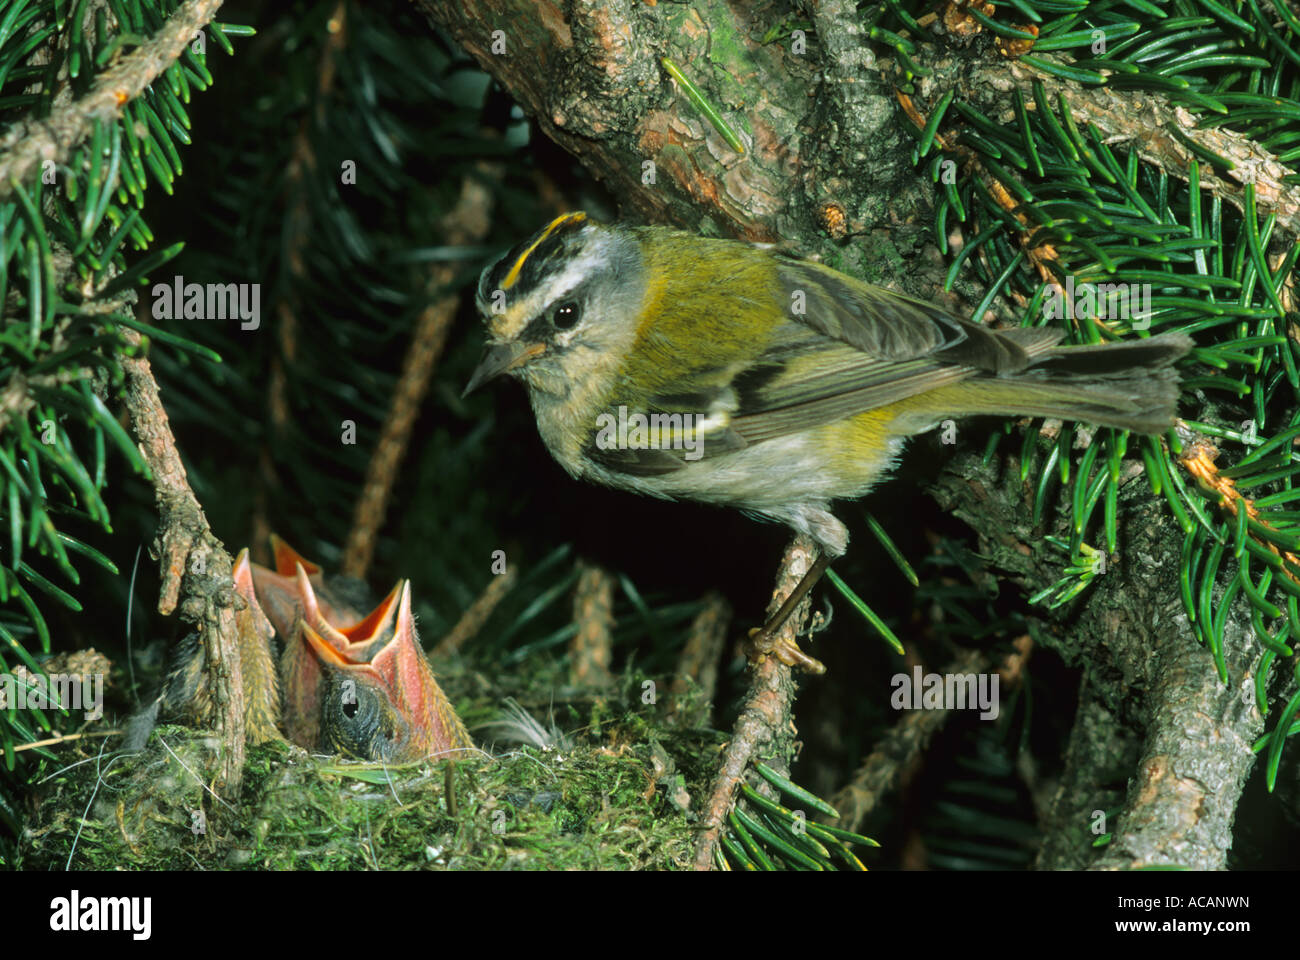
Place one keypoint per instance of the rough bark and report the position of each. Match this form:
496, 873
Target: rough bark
593, 79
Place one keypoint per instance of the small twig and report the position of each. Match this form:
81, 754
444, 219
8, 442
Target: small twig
472, 620
190, 554
765, 721
697, 667
593, 613
64, 738
300, 176
16, 398
896, 751
465, 224
1197, 459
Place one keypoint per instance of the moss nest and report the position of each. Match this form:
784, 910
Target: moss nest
619, 799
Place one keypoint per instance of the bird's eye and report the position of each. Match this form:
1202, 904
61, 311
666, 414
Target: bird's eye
566, 315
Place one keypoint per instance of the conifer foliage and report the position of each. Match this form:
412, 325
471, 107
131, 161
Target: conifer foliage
1130, 171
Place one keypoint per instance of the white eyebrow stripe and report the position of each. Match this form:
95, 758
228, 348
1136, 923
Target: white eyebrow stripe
575, 271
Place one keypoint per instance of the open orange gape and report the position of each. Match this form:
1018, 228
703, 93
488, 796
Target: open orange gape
346, 682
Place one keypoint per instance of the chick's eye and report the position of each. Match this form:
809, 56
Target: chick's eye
566, 315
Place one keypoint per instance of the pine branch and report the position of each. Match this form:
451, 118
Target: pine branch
1167, 135
30, 144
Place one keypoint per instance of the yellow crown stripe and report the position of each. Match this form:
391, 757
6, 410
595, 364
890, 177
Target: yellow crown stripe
551, 227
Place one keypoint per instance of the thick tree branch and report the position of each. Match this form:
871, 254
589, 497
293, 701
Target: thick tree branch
596, 86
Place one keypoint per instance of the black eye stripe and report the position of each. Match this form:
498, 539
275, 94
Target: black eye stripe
537, 331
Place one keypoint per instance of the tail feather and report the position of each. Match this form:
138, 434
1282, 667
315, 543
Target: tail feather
1144, 403
1112, 359
1130, 386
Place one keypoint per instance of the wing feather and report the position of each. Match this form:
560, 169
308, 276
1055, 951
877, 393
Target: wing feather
852, 349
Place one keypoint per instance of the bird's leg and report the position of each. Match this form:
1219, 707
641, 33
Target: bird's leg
767, 641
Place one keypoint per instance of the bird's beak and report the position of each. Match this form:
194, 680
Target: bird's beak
287, 559
357, 651
333, 644
278, 591
501, 358
400, 673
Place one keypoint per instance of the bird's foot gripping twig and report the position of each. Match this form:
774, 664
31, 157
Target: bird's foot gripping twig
762, 645
764, 728
771, 640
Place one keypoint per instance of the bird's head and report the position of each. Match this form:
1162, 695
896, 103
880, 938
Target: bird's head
562, 306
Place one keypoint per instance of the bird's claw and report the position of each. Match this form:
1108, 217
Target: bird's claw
762, 644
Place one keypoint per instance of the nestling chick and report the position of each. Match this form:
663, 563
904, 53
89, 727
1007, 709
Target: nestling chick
379, 698
346, 682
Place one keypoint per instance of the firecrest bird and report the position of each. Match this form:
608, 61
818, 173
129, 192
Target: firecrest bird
677, 366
